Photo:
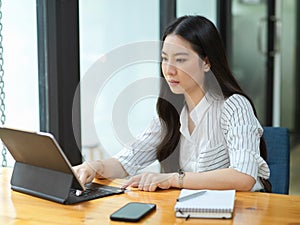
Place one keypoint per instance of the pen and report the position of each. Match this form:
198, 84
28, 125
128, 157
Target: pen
187, 197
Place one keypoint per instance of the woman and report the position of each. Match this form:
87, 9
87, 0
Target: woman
207, 135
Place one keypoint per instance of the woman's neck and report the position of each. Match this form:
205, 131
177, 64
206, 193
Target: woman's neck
193, 99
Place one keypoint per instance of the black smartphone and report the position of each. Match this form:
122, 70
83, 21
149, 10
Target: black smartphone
133, 211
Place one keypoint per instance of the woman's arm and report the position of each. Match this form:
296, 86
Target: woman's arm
139, 154
221, 179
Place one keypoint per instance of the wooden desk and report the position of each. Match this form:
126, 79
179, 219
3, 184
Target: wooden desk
250, 208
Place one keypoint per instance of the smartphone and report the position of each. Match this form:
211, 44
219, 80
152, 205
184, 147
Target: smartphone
133, 211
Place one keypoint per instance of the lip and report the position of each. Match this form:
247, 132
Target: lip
173, 82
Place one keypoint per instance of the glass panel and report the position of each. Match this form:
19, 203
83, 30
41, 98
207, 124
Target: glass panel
249, 26
289, 96
109, 32
20, 65
198, 7
249, 44
288, 62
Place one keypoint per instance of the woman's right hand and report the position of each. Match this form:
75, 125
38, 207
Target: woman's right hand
87, 171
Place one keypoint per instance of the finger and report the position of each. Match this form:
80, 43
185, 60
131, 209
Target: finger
148, 182
153, 186
156, 182
144, 182
132, 182
84, 177
125, 186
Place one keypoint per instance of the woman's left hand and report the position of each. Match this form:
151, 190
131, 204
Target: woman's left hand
151, 181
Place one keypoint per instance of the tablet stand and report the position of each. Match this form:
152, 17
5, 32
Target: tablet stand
41, 182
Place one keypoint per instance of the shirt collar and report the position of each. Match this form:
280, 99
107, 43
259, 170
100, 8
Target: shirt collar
197, 114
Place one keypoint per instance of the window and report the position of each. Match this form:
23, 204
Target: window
110, 31
198, 7
20, 65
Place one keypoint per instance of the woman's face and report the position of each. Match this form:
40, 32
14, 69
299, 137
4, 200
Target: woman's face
182, 68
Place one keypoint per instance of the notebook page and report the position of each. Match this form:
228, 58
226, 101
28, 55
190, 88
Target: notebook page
211, 201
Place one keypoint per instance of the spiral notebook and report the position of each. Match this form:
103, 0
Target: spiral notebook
210, 204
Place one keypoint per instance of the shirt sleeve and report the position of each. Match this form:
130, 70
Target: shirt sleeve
242, 133
141, 152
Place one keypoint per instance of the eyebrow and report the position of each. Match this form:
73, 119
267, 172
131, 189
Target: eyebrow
176, 54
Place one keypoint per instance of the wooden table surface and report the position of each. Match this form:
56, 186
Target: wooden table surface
250, 208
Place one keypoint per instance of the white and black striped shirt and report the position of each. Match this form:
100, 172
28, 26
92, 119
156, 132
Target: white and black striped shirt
226, 134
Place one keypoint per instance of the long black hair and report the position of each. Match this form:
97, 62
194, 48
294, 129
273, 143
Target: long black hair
206, 42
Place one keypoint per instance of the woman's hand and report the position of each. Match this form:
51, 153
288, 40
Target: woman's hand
87, 171
152, 181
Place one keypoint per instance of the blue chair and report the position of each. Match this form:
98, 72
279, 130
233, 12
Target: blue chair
278, 147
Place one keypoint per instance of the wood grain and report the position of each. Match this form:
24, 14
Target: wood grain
250, 208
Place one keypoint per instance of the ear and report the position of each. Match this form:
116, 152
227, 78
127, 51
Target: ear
206, 64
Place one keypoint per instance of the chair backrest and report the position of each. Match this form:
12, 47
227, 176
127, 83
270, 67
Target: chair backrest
278, 147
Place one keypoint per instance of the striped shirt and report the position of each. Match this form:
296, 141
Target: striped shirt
226, 135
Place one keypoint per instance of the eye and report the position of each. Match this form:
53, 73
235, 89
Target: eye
180, 60
164, 59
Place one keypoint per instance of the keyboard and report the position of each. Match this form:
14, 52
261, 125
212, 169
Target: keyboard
93, 191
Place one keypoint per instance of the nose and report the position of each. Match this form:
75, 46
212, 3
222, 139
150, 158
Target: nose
169, 69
